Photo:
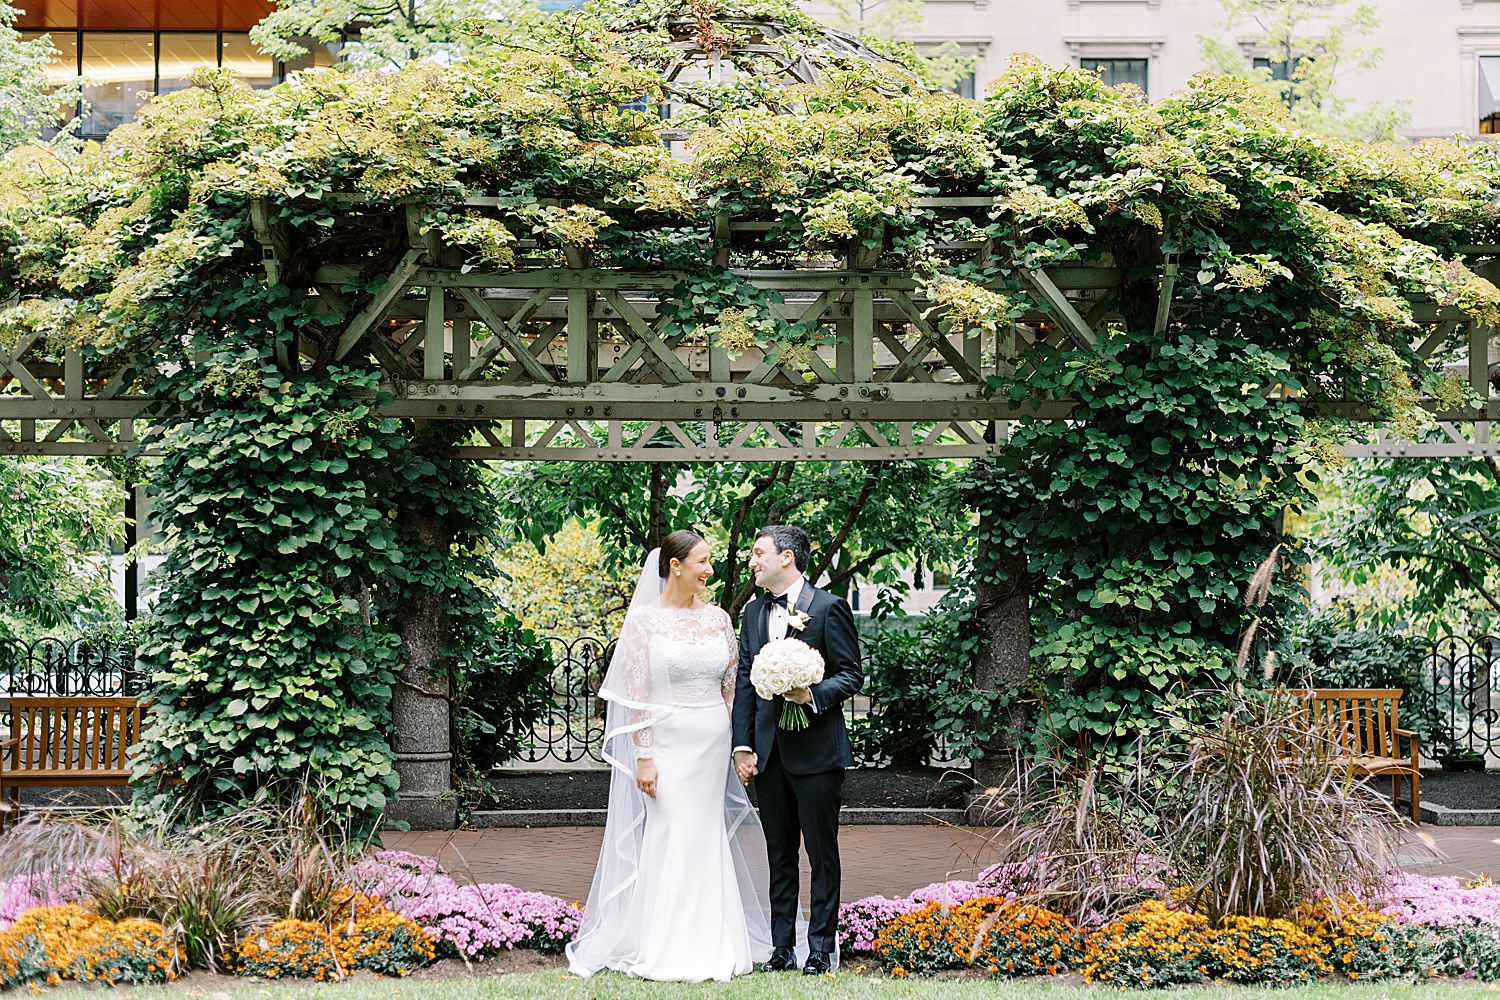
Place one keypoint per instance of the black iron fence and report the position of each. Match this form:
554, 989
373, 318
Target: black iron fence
1461, 686
573, 729
1462, 680
68, 667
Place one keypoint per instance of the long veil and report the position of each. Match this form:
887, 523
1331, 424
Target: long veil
637, 696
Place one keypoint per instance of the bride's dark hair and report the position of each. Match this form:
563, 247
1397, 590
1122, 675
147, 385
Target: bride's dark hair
677, 545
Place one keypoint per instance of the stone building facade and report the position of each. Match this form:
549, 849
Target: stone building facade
1442, 56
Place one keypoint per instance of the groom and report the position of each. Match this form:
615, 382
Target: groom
799, 774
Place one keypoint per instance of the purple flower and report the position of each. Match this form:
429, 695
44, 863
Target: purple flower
468, 920
1438, 901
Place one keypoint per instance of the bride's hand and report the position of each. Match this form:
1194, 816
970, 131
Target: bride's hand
645, 776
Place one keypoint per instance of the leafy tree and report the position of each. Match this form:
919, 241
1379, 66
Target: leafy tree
1307, 46
387, 35
28, 104
1437, 521
865, 520
565, 588
59, 519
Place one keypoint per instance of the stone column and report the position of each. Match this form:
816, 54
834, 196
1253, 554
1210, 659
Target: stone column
421, 702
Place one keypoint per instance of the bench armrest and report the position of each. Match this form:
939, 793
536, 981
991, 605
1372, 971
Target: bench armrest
1408, 734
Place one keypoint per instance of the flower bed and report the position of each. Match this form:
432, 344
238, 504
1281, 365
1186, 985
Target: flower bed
1416, 926
401, 912
472, 921
47, 944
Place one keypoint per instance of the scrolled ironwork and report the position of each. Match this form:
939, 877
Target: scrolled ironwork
52, 667
1463, 679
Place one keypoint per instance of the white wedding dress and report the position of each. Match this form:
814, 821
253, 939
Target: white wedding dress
680, 889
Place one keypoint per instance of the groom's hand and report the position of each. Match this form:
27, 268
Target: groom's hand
800, 696
744, 765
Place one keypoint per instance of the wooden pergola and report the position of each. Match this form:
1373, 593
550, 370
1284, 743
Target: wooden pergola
575, 362
588, 374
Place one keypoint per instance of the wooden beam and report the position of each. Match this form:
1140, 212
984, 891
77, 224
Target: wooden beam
1067, 316
505, 335
373, 313
653, 341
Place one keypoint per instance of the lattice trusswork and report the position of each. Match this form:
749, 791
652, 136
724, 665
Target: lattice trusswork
705, 441
580, 364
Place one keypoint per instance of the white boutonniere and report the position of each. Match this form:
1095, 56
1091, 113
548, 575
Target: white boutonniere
798, 619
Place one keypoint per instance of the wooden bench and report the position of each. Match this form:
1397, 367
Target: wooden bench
1368, 736
68, 742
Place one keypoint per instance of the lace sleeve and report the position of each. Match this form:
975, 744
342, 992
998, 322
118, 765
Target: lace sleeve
635, 672
731, 649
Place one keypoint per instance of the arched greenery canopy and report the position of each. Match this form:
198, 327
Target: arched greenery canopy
1302, 244
324, 547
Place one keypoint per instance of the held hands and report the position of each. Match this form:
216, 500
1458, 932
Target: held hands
745, 762
645, 776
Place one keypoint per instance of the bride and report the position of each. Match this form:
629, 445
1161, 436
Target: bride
680, 892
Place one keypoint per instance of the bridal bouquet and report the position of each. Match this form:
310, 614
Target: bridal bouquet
781, 666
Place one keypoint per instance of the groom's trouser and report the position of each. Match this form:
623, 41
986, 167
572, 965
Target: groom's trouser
793, 808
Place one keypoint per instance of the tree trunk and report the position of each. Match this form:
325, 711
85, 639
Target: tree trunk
421, 703
1003, 659
656, 509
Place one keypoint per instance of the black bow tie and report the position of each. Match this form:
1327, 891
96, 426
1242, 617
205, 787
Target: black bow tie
779, 600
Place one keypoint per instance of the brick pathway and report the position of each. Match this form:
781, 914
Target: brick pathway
886, 860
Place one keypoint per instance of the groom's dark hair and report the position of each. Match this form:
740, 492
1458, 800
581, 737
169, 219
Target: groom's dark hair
785, 537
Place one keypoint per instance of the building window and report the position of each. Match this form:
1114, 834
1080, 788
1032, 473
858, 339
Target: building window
965, 86
122, 64
238, 54
180, 55
1279, 70
125, 64
1489, 95
1117, 71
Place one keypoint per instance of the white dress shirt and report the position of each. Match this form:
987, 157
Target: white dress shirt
776, 627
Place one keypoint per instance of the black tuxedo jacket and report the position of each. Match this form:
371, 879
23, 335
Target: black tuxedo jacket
824, 744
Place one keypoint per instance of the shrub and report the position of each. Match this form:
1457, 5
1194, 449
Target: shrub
128, 951
302, 949
934, 937
1081, 845
1151, 946
1260, 950
1438, 900
42, 943
372, 937
861, 921
1357, 941
1026, 940
475, 920
386, 943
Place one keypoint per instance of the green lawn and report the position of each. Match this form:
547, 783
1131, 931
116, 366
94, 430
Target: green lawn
612, 986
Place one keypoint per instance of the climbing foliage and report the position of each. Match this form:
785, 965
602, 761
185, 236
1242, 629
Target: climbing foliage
289, 493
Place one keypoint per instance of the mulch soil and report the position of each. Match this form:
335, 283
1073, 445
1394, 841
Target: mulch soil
1458, 791
898, 786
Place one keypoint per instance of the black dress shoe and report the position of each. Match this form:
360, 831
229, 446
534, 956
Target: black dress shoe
781, 959
817, 964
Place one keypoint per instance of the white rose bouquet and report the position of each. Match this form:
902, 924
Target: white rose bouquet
781, 666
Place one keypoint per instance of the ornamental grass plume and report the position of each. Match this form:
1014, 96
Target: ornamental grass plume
1266, 818
1077, 843
207, 883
